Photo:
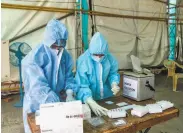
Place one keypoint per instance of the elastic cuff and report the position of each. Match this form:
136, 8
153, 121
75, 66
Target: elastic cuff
69, 91
114, 84
86, 97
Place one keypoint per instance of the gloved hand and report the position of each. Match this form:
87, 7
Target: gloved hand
69, 97
146, 71
97, 109
115, 88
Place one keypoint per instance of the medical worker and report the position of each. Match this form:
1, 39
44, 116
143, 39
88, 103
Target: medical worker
97, 74
47, 71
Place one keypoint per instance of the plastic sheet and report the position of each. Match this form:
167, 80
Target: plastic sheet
154, 108
119, 122
96, 121
116, 113
139, 111
165, 104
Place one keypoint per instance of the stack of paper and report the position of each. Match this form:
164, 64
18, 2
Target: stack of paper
66, 117
154, 108
139, 111
165, 104
116, 113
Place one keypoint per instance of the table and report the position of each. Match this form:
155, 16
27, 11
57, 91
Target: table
133, 125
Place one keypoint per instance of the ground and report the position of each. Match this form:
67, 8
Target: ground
11, 117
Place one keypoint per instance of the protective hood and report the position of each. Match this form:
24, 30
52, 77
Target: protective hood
54, 32
98, 44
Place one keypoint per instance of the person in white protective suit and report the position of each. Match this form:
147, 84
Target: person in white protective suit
47, 71
97, 74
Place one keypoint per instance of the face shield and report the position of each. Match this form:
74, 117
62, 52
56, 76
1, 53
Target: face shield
58, 46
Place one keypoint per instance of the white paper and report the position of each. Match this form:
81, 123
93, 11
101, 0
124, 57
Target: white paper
139, 111
122, 104
116, 113
109, 102
128, 107
154, 108
165, 104
37, 120
62, 117
130, 87
86, 112
37, 117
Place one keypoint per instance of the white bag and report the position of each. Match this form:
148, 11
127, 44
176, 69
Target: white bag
116, 113
154, 108
165, 104
139, 111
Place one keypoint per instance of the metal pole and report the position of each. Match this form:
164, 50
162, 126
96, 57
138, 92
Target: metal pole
20, 103
172, 30
83, 11
85, 24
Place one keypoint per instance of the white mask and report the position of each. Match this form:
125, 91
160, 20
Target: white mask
96, 58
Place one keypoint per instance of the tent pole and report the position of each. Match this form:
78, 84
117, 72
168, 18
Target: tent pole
84, 5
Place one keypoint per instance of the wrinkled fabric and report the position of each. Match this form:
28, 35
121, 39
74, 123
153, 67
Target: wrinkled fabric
100, 81
39, 69
87, 75
136, 64
58, 63
54, 32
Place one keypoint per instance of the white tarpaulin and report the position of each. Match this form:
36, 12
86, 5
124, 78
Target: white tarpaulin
16, 22
5, 64
144, 38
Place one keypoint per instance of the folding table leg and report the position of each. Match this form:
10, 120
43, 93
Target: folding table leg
146, 131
